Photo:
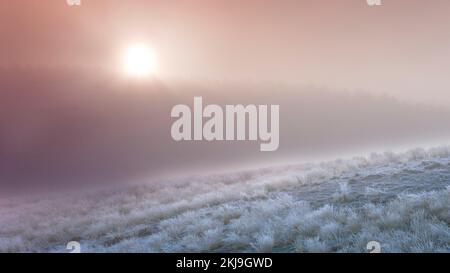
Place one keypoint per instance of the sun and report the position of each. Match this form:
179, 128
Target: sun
139, 61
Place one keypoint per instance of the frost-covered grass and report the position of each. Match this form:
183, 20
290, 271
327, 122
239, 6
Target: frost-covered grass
400, 200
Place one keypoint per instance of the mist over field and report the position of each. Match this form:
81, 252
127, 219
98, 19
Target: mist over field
109, 131
401, 200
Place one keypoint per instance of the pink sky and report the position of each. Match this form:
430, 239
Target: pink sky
69, 113
401, 48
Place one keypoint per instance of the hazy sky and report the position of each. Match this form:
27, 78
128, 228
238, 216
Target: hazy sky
68, 112
401, 48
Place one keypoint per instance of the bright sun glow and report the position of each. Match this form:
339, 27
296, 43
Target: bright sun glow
140, 61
